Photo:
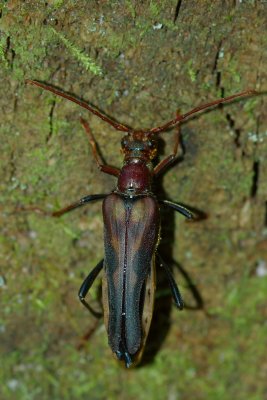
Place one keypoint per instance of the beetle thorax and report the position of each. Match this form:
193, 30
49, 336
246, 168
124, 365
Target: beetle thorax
135, 177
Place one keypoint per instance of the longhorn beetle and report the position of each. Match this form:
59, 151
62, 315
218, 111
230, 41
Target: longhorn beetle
131, 215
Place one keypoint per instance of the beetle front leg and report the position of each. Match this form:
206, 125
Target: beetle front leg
87, 283
174, 288
108, 169
166, 162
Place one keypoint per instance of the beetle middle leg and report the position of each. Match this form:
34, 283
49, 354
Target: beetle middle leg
79, 203
174, 288
72, 206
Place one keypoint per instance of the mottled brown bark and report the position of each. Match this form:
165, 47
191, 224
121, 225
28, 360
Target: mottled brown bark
139, 62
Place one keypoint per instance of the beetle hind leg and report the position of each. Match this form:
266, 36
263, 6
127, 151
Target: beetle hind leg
174, 288
87, 283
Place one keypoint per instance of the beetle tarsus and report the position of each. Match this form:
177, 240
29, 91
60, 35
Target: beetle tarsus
173, 285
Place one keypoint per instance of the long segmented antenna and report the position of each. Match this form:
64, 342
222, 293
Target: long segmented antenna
200, 108
124, 128
116, 125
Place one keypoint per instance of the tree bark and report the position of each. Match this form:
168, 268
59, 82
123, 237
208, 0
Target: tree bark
139, 62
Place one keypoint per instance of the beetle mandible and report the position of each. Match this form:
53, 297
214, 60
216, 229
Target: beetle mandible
131, 215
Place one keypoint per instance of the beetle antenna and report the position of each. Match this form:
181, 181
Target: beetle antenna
116, 125
182, 117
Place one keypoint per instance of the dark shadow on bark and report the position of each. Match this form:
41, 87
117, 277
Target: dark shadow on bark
163, 304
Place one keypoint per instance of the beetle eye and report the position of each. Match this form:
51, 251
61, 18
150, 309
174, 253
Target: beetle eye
124, 142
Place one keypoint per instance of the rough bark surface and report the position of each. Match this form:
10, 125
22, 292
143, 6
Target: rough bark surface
139, 62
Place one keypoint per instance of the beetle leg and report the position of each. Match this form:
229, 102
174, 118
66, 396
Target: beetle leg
87, 283
104, 168
163, 164
178, 207
174, 288
79, 203
166, 162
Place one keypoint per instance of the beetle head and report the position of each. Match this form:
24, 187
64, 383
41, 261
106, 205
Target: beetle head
139, 144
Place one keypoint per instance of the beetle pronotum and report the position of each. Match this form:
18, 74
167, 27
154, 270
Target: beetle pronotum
131, 215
